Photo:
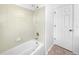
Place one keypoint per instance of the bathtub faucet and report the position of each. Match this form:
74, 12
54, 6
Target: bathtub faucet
37, 35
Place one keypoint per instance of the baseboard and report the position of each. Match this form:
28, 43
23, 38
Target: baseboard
75, 53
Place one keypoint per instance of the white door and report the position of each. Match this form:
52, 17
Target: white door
76, 29
63, 26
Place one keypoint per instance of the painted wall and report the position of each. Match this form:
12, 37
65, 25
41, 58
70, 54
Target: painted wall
76, 29
16, 26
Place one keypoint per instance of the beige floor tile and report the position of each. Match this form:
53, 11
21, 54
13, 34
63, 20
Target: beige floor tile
57, 50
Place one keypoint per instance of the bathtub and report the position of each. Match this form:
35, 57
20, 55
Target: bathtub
32, 47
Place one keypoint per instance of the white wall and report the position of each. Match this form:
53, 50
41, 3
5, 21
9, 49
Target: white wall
16, 24
76, 29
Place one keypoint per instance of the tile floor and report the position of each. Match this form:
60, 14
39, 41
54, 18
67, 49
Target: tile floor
57, 50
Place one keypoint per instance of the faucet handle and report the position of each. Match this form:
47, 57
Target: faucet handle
37, 33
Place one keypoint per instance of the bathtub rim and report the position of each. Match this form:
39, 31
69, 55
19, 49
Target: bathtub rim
40, 44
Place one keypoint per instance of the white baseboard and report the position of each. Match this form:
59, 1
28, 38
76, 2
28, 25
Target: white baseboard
76, 53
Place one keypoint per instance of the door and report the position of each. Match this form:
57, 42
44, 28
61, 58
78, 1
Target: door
63, 26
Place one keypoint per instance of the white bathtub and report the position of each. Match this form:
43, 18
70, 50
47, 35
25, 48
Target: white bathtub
32, 47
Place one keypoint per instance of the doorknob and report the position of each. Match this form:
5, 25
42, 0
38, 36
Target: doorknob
70, 30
